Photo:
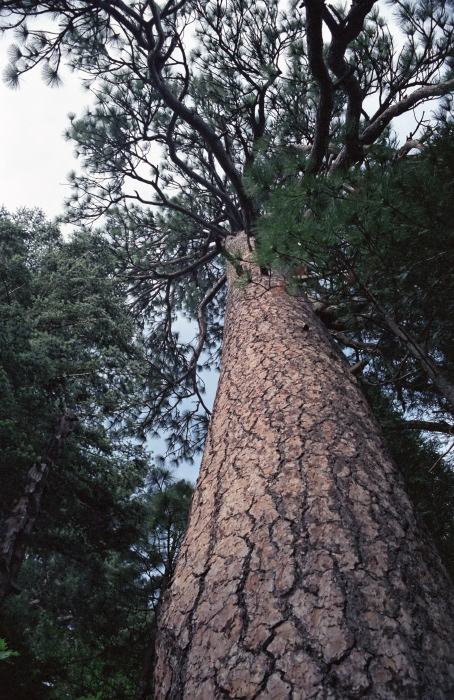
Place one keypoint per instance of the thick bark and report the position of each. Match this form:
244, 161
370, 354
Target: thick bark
304, 573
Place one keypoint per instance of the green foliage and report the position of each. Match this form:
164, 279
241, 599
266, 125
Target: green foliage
6, 653
87, 613
65, 338
97, 561
383, 231
428, 478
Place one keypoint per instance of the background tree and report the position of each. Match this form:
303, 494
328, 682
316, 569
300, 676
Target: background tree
259, 81
110, 524
63, 344
85, 620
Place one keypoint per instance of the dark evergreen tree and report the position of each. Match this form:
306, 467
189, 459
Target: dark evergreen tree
104, 541
84, 623
65, 339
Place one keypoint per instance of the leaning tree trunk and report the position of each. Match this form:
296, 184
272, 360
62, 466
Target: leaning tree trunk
16, 533
304, 573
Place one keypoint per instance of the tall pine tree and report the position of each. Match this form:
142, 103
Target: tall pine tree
304, 571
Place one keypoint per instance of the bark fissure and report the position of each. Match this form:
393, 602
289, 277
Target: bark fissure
317, 581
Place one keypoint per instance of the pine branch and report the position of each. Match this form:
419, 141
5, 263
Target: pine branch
425, 425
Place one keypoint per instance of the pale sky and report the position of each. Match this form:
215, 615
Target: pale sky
34, 157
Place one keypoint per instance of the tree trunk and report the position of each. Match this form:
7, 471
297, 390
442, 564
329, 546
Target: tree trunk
18, 527
304, 573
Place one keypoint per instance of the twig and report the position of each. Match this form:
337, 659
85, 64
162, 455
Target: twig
441, 457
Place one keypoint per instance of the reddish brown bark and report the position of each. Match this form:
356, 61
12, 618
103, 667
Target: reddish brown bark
304, 573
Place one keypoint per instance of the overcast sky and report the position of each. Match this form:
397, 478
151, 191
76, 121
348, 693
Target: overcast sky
35, 158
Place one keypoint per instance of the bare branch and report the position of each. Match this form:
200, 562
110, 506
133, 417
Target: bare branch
382, 119
429, 426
